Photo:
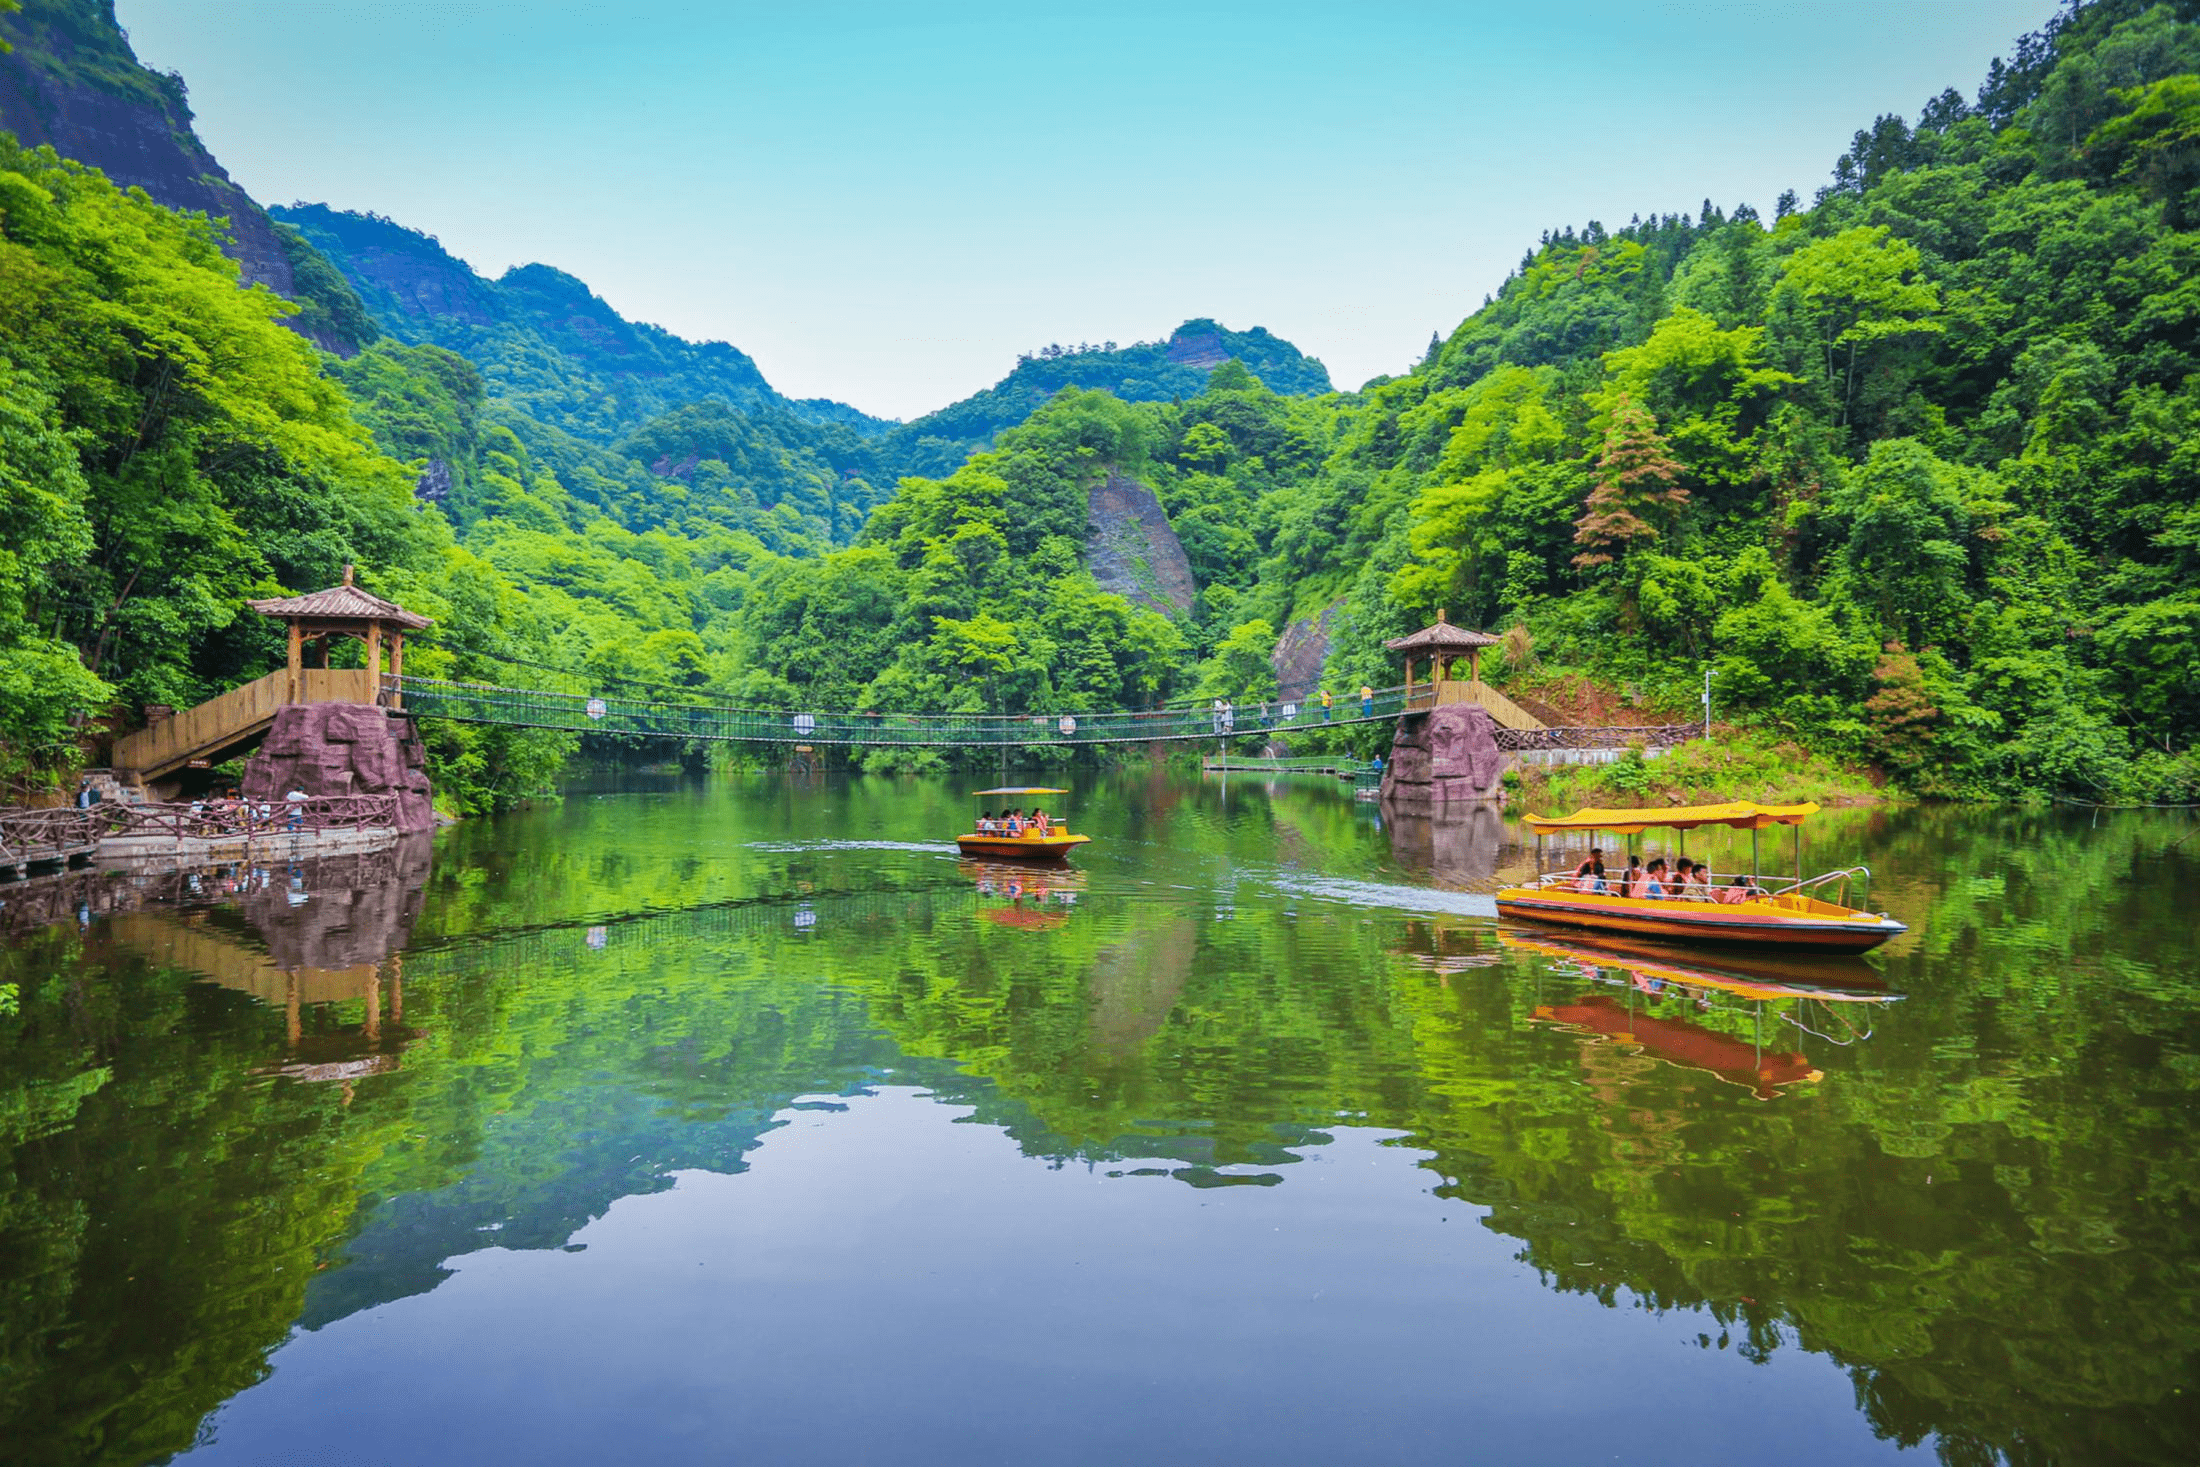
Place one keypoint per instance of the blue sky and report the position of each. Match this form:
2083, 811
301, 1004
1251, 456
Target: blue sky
885, 203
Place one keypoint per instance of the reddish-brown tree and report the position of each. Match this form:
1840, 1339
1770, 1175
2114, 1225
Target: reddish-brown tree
1637, 484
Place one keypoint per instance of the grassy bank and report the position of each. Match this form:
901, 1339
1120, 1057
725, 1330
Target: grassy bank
1733, 764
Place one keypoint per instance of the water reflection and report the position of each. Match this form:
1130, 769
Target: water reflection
1461, 850
771, 1067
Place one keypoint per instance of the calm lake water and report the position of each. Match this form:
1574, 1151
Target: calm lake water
741, 1121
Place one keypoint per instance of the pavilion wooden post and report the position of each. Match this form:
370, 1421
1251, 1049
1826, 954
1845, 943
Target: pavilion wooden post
397, 667
374, 661
294, 690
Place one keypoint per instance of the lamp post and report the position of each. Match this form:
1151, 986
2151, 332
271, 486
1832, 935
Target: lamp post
1707, 700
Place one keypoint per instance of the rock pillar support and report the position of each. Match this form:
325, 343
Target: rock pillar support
1445, 758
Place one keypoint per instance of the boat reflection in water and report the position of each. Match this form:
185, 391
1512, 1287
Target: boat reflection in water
310, 938
1032, 898
1661, 996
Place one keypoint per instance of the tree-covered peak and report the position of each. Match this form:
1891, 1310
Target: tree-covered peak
1167, 370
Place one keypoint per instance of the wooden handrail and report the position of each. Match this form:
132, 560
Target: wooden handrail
219, 722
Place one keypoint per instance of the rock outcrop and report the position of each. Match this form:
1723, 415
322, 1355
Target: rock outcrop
1303, 648
343, 749
1445, 758
1132, 550
73, 82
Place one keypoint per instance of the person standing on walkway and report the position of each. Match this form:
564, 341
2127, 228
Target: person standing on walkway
1367, 701
1325, 705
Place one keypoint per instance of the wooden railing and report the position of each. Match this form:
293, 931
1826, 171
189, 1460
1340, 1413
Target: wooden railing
252, 819
44, 835
220, 722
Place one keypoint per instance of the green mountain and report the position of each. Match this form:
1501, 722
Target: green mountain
1149, 371
546, 345
1909, 472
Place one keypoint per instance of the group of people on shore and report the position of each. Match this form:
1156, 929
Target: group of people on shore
1680, 880
1033, 822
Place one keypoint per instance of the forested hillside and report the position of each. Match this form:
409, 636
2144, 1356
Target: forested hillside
1915, 469
1911, 469
1148, 371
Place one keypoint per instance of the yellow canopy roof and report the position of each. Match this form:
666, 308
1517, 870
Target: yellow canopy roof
1032, 789
1741, 815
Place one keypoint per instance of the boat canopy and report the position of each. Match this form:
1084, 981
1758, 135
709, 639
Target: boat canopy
1740, 815
1032, 789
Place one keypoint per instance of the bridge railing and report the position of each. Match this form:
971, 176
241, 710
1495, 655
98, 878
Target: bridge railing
252, 819
653, 718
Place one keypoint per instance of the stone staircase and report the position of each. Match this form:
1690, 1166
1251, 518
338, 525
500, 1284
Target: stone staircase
115, 788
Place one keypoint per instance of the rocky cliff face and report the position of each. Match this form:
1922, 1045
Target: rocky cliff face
1303, 648
72, 82
1131, 548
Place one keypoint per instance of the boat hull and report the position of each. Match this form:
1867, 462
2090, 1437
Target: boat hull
1020, 847
1808, 926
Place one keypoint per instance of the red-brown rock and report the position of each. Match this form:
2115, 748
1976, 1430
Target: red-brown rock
343, 749
1448, 756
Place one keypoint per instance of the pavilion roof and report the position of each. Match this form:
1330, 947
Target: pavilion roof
340, 603
1442, 637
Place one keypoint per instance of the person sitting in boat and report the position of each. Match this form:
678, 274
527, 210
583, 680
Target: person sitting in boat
1589, 875
985, 822
1039, 821
1015, 822
1655, 885
1695, 882
1630, 881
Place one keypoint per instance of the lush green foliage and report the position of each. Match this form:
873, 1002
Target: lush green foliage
1148, 371
1912, 470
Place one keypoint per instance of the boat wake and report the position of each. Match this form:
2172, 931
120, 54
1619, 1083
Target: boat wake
805, 847
1382, 895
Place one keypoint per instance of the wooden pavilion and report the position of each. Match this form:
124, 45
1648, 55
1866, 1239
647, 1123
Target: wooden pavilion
319, 617
1442, 645
231, 723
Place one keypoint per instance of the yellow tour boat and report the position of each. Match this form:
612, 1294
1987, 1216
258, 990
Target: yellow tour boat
1027, 843
1733, 908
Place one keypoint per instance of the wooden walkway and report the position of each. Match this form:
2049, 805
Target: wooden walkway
223, 725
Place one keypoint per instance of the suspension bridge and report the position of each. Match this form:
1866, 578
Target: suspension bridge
224, 726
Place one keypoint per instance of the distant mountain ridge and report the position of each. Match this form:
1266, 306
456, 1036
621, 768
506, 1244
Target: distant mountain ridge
1148, 371
545, 343
71, 82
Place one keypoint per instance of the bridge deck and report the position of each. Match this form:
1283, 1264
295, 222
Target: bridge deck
666, 719
577, 713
